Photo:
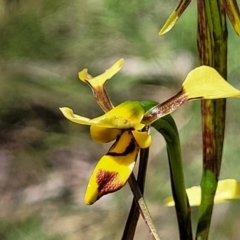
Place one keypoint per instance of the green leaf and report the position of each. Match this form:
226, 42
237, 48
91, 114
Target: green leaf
233, 13
175, 15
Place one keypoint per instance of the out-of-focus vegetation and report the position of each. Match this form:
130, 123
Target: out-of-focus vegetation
45, 161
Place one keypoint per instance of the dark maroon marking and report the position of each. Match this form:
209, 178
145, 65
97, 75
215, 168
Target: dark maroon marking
107, 182
129, 149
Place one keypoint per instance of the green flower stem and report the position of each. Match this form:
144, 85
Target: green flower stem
143, 207
131, 224
212, 46
167, 127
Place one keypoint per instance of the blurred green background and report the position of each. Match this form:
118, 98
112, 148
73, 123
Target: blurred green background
45, 160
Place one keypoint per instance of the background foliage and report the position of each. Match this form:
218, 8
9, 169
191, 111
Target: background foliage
45, 161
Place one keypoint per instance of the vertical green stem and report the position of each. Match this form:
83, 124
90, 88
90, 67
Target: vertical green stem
212, 46
167, 127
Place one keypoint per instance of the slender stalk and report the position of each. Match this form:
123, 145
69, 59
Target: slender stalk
143, 207
212, 46
131, 224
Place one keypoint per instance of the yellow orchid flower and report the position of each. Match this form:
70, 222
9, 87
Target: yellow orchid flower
122, 124
126, 123
228, 189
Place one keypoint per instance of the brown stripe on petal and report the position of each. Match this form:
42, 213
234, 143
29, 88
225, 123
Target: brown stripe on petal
108, 182
129, 149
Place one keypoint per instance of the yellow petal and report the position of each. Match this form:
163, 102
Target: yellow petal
101, 121
68, 113
84, 75
143, 139
102, 78
126, 115
103, 135
97, 84
194, 197
206, 82
228, 189
113, 169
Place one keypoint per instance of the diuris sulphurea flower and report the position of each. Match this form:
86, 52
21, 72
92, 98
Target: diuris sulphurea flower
122, 124
128, 123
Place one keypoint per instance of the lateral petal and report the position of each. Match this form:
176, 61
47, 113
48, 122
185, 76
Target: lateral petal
102, 121
126, 115
68, 113
206, 82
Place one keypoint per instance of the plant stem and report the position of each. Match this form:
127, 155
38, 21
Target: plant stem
133, 216
167, 127
212, 46
143, 207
